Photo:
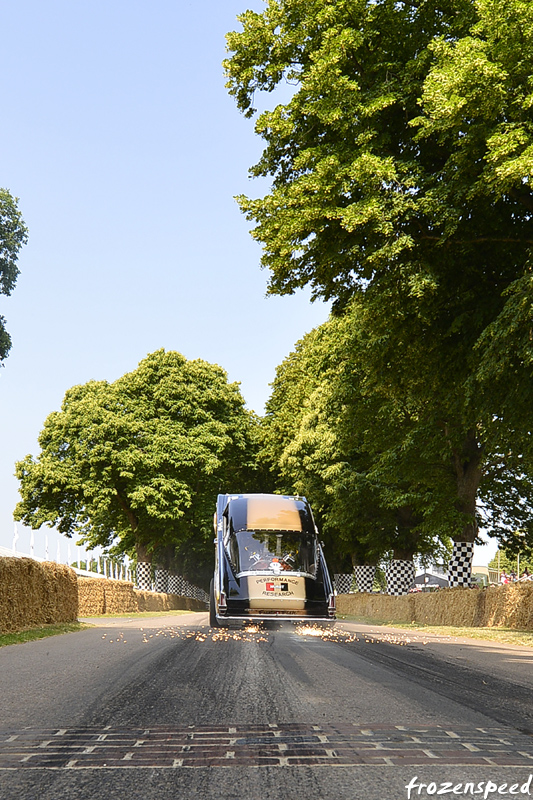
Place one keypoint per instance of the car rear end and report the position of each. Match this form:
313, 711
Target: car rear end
269, 562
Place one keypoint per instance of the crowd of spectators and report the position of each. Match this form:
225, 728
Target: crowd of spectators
512, 577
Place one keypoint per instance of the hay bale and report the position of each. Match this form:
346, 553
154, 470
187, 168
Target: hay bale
181, 603
99, 597
91, 596
159, 601
509, 606
151, 601
458, 607
119, 597
377, 606
60, 602
34, 594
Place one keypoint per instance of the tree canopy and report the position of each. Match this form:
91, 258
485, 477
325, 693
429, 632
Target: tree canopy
406, 145
361, 456
401, 171
137, 464
374, 465
13, 234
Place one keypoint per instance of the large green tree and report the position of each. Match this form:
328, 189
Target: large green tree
407, 138
401, 172
13, 234
360, 456
137, 464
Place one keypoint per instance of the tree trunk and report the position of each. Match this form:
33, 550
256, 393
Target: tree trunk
467, 464
142, 552
144, 567
400, 572
406, 541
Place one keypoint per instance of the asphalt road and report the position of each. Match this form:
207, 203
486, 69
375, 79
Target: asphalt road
166, 708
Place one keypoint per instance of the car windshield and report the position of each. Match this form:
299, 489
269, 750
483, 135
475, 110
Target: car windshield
273, 551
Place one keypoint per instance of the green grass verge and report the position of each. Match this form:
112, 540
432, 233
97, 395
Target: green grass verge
503, 635
41, 632
140, 614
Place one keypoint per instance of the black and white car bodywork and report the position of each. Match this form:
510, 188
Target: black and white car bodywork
269, 563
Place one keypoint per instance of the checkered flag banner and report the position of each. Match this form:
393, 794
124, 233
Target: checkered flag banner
460, 565
364, 577
177, 584
161, 579
343, 582
144, 575
400, 576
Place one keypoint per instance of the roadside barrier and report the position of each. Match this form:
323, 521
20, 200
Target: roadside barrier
35, 593
97, 598
509, 606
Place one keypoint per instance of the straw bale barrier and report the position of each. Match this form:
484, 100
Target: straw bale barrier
91, 596
119, 597
460, 607
99, 596
155, 601
509, 606
376, 606
34, 593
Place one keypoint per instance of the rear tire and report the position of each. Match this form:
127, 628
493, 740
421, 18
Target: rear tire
212, 608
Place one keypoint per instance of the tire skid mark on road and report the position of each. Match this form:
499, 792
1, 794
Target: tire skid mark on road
500, 699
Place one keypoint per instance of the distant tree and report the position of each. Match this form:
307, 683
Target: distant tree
508, 562
136, 464
13, 234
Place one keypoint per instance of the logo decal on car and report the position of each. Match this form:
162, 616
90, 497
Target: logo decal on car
280, 587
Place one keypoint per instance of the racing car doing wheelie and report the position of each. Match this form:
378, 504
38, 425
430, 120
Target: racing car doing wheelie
268, 562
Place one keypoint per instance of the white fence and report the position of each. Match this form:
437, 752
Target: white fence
102, 567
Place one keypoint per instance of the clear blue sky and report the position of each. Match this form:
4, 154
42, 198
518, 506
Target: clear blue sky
126, 151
